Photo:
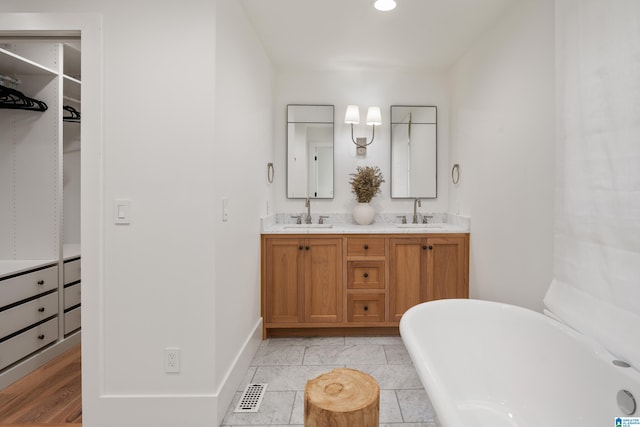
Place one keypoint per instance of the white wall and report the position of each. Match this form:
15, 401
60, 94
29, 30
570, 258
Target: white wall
502, 135
244, 145
148, 134
364, 88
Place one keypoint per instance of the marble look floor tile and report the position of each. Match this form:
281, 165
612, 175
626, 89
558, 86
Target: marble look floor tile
248, 378
297, 415
276, 408
397, 354
389, 408
415, 406
373, 340
278, 355
345, 355
306, 341
289, 378
393, 377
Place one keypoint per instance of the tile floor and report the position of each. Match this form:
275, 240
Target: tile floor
286, 364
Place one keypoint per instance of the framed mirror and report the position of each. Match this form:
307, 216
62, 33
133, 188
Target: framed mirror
310, 151
414, 151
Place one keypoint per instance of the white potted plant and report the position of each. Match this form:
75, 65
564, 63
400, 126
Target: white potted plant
365, 184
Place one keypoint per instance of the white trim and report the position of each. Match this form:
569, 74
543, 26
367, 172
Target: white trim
233, 378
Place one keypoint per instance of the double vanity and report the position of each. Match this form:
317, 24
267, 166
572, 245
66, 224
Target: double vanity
347, 279
330, 276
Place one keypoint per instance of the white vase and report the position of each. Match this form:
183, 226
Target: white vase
363, 213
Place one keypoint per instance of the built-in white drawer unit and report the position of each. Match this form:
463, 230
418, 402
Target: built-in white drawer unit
71, 320
24, 315
71, 296
72, 271
27, 285
19, 346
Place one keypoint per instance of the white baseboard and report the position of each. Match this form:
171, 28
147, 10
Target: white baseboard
38, 359
152, 411
236, 373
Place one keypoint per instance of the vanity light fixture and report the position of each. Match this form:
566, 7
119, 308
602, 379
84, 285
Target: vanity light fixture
352, 117
385, 5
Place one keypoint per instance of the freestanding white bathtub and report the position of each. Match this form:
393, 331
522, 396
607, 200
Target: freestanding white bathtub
490, 364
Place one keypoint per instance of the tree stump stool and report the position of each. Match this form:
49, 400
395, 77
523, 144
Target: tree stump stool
342, 398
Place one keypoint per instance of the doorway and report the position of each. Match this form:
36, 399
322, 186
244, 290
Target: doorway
71, 28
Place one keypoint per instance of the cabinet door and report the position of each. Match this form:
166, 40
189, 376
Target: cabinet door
323, 280
407, 275
446, 267
284, 278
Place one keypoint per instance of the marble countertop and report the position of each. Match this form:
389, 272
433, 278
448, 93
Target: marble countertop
383, 224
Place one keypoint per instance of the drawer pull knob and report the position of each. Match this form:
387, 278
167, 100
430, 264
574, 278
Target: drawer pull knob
41, 309
430, 247
366, 275
40, 282
307, 247
366, 308
301, 247
41, 337
424, 247
366, 247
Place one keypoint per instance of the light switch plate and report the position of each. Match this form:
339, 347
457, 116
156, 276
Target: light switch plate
122, 211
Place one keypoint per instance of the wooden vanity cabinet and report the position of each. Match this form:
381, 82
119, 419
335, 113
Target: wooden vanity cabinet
366, 290
407, 275
302, 280
426, 269
341, 284
447, 267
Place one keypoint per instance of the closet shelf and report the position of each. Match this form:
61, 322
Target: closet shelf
16, 64
71, 88
15, 100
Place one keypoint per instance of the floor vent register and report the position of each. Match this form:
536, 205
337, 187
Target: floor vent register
251, 398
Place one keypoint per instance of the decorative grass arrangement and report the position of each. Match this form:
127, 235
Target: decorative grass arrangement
365, 183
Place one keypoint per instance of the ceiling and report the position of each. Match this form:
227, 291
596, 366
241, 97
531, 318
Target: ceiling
351, 34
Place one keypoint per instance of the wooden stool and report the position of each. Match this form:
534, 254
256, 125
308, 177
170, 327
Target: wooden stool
342, 398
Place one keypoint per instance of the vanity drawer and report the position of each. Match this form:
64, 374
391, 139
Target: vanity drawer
365, 275
365, 246
71, 320
71, 296
28, 285
27, 342
365, 307
24, 315
71, 271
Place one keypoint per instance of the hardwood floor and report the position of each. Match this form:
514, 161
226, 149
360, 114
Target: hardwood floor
48, 397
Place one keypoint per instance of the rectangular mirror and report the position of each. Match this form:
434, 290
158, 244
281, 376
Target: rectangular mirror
413, 152
310, 151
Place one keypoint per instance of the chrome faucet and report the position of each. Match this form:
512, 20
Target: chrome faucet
307, 204
416, 203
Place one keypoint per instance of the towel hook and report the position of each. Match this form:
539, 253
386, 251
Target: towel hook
455, 173
270, 172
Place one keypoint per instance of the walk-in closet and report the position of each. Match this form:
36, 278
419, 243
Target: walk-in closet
40, 257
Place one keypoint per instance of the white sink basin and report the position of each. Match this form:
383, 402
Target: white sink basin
429, 226
308, 226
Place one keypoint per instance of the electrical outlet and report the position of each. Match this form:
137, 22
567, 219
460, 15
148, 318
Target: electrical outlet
172, 360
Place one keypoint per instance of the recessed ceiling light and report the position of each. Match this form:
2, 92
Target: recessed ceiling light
385, 5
